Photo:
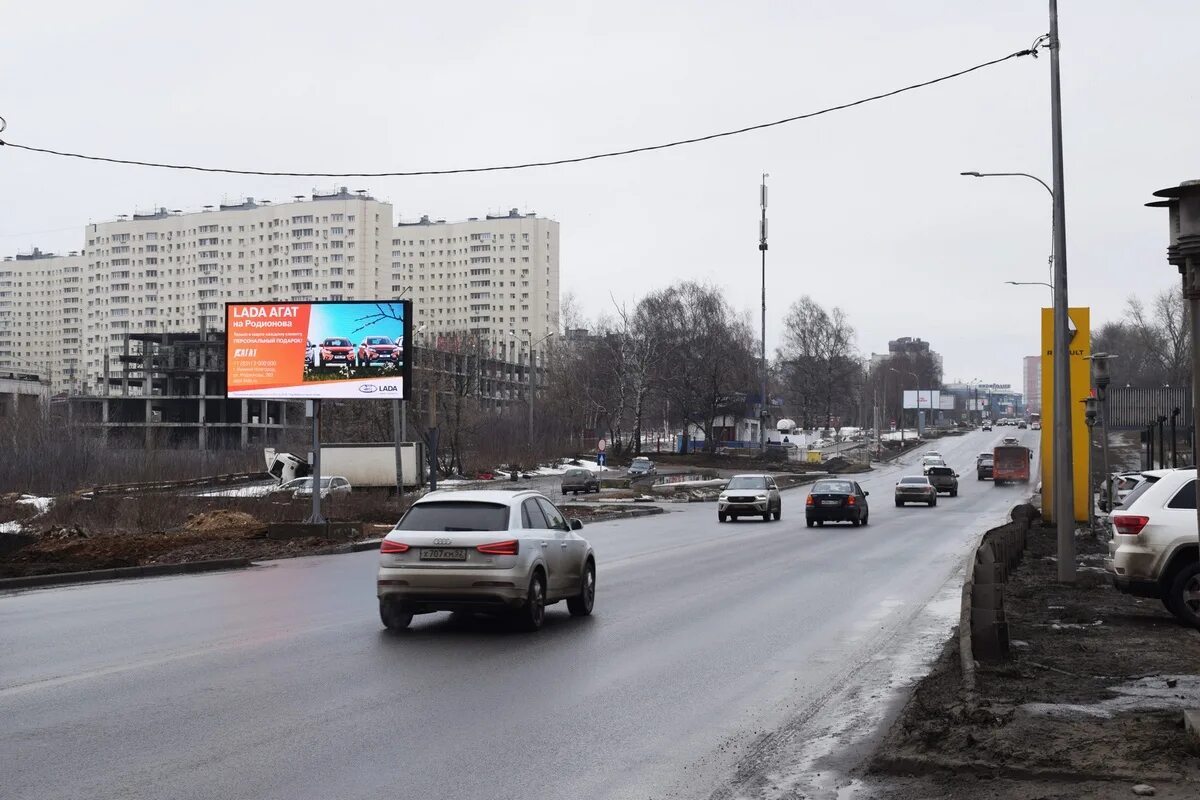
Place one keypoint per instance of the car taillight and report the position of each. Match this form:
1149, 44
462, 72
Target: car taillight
1129, 525
809, 501
850, 500
507, 548
389, 546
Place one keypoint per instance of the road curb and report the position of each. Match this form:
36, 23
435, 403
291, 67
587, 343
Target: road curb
119, 573
632, 513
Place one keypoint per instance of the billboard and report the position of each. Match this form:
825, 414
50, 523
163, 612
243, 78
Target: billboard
946, 402
316, 351
926, 398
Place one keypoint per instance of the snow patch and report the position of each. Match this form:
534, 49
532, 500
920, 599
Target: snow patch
1159, 693
42, 504
10, 527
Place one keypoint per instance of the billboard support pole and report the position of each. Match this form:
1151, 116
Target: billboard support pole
397, 432
315, 518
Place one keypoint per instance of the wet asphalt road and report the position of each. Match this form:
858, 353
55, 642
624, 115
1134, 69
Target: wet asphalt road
278, 682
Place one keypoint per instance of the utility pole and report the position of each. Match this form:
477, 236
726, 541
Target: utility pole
1064, 483
762, 247
315, 517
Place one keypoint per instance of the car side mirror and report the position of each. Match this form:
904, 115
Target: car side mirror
576, 524
866, 494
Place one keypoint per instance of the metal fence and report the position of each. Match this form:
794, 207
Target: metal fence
1134, 408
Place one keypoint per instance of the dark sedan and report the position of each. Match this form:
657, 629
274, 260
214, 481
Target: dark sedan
836, 501
580, 480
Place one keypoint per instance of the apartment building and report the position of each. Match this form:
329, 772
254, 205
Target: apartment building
1032, 374
70, 318
495, 278
42, 310
169, 271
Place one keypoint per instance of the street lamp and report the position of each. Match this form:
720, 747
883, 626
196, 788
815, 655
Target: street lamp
1035, 283
1064, 484
1183, 205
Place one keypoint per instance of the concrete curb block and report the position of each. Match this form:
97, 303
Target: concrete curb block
358, 547
633, 513
118, 573
918, 765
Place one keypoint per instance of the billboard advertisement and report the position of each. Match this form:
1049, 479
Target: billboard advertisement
315, 351
946, 402
925, 398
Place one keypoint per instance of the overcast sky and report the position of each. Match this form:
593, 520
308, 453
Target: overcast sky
867, 209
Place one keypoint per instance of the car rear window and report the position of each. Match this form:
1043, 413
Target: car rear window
577, 473
455, 515
940, 471
914, 481
833, 487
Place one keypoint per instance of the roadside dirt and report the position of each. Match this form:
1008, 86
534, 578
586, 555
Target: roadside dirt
79, 534
1094, 691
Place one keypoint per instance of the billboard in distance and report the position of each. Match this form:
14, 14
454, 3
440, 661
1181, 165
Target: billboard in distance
314, 351
925, 398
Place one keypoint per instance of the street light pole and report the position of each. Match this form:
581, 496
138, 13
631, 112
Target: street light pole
1035, 283
762, 247
1064, 484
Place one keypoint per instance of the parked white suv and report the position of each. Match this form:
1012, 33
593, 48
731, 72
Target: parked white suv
1153, 551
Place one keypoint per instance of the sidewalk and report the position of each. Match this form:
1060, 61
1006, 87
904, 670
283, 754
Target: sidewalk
1090, 703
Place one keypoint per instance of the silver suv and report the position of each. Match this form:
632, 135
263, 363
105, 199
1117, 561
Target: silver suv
1153, 551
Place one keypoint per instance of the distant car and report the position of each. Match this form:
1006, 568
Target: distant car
915, 489
983, 466
749, 496
1123, 484
642, 466
1011, 440
1022, 425
986, 426
334, 486
336, 351
1152, 552
580, 480
836, 501
376, 349
944, 480
931, 461
497, 552
1037, 426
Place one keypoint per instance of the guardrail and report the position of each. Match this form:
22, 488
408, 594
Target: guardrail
167, 486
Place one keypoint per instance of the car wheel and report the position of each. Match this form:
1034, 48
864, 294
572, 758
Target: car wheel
581, 604
820, 523
954, 492
866, 517
720, 517
778, 513
392, 614
766, 516
933, 502
899, 504
855, 521
533, 613
809, 522
1184, 595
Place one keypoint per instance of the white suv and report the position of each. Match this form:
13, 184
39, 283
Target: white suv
1153, 551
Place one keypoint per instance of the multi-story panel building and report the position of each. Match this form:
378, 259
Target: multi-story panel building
174, 272
1032, 370
42, 314
71, 318
495, 278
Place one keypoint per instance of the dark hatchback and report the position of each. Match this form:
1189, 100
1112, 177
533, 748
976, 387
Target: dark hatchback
836, 501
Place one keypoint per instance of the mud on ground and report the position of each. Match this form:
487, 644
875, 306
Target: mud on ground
1094, 691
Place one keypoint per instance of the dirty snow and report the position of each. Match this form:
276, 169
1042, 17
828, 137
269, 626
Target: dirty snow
42, 504
242, 491
1145, 694
10, 527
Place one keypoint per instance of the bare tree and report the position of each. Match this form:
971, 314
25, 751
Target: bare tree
819, 362
1154, 343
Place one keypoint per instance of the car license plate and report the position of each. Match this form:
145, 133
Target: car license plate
443, 554
830, 503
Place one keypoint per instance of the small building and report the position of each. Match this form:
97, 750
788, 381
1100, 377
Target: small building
23, 393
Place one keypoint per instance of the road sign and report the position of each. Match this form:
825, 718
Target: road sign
601, 458
600, 445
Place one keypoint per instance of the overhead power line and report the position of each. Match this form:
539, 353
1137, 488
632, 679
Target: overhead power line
530, 164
